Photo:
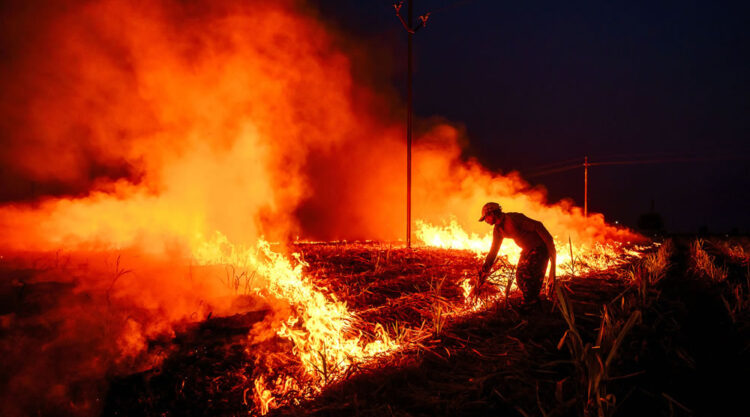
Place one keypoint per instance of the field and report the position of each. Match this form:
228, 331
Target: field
662, 333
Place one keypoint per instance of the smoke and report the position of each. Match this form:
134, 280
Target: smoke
145, 127
153, 125
211, 108
359, 191
185, 118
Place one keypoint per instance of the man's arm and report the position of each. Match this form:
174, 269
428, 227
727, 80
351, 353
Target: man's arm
497, 240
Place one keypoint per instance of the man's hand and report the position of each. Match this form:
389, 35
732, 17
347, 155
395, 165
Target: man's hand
483, 274
481, 277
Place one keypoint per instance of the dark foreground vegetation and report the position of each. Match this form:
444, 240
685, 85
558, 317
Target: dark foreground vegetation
667, 334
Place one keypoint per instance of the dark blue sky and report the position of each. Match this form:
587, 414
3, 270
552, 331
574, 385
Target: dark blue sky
539, 82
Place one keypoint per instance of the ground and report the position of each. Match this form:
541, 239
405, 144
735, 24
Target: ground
685, 351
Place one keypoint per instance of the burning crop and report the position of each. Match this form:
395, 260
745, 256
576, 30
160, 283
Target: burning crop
182, 148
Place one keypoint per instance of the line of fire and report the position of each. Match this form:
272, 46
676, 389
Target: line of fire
203, 214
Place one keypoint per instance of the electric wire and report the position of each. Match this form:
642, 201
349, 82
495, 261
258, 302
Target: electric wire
644, 161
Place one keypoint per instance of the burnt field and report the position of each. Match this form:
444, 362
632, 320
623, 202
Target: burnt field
664, 333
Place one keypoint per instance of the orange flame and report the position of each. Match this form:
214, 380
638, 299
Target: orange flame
321, 329
217, 124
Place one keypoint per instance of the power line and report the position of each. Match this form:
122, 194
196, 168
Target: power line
449, 6
553, 171
586, 164
569, 167
670, 160
555, 165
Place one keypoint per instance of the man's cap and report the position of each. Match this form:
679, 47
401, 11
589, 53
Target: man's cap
489, 208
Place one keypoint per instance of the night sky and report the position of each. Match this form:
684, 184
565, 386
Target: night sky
543, 83
537, 86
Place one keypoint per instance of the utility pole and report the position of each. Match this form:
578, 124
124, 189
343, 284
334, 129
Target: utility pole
409, 101
585, 186
562, 167
409, 105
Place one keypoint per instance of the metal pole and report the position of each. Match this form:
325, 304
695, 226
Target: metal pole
585, 186
408, 129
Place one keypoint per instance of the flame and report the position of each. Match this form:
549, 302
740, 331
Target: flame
321, 331
262, 395
194, 131
585, 258
571, 259
453, 236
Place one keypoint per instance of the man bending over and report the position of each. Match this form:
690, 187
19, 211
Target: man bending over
538, 248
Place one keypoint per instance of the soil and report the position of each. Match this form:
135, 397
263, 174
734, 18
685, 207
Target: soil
686, 356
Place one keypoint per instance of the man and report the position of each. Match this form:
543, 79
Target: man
536, 242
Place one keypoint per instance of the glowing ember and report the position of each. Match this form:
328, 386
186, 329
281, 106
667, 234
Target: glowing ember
586, 258
596, 256
453, 236
321, 328
263, 397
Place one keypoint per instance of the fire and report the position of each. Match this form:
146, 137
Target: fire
263, 396
321, 331
571, 259
197, 132
453, 236
585, 257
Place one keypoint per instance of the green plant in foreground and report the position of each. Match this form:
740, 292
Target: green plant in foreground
736, 302
325, 365
703, 263
398, 331
657, 264
594, 361
322, 365
437, 306
644, 275
734, 251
